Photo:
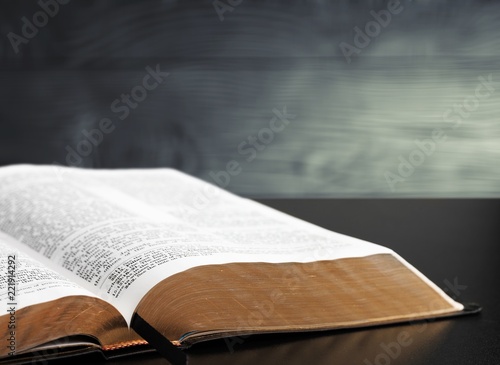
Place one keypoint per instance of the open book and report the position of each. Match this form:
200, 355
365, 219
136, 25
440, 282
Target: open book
119, 260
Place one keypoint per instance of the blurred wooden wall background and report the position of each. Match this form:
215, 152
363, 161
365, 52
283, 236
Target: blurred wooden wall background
352, 120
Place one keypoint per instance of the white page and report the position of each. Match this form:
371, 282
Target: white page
242, 221
25, 281
119, 247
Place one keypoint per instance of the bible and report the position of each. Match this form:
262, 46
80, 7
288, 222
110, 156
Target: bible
127, 261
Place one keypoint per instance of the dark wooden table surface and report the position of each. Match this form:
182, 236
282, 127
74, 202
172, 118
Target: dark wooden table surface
456, 243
